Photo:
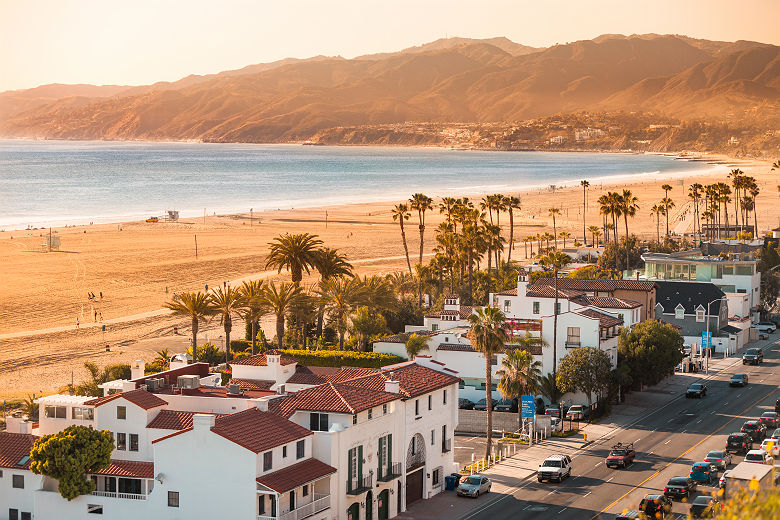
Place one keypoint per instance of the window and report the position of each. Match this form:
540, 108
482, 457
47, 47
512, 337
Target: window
433, 437
130, 486
384, 409
536, 307
300, 447
121, 412
558, 308
444, 398
318, 422
699, 315
434, 326
436, 476
305, 490
121, 441
430, 402
679, 312
354, 419
572, 336
56, 412
416, 407
83, 414
507, 305
370, 413
414, 445
13, 514
173, 499
268, 460
17, 481
261, 505
26, 515
133, 442
284, 451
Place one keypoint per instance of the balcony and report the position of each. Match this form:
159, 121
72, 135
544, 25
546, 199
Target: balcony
357, 486
393, 471
446, 445
320, 503
112, 494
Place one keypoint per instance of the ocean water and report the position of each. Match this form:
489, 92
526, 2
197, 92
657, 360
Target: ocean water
45, 183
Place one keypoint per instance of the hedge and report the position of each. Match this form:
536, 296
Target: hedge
342, 358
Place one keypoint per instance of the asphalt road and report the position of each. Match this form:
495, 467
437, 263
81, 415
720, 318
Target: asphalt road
667, 440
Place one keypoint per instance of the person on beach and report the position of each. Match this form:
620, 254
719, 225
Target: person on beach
77, 323
101, 295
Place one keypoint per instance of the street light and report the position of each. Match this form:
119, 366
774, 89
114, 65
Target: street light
707, 336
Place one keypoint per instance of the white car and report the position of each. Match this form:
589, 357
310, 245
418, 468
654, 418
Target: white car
774, 451
765, 327
757, 456
555, 468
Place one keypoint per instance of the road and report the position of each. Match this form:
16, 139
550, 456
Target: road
668, 440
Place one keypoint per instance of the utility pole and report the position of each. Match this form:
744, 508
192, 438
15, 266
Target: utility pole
196, 247
204, 216
250, 217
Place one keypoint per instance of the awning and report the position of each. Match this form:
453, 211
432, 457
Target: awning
296, 475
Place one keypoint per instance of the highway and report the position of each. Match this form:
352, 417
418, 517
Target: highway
667, 439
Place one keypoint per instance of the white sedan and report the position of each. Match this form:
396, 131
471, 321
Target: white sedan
774, 451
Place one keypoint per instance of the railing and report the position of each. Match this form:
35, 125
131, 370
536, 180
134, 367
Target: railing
392, 471
359, 485
112, 494
446, 445
320, 503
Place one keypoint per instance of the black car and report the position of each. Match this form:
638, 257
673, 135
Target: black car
753, 356
465, 404
696, 390
656, 506
631, 514
506, 405
777, 406
704, 506
739, 442
738, 380
769, 420
482, 404
553, 411
680, 487
755, 429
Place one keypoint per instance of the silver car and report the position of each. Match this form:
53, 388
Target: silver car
720, 458
473, 486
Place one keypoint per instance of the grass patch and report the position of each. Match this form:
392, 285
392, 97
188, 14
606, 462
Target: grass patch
567, 433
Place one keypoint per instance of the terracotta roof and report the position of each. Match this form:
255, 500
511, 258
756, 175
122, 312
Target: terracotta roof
605, 320
296, 475
128, 468
598, 285
546, 291
252, 385
349, 373
463, 313
347, 398
261, 360
510, 292
608, 302
311, 375
402, 337
259, 431
142, 398
534, 350
172, 376
175, 420
413, 379
14, 447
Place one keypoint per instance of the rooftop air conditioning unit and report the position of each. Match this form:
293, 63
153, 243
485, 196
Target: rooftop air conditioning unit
152, 384
234, 389
280, 390
189, 382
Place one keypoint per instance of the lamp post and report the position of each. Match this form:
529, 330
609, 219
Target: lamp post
707, 337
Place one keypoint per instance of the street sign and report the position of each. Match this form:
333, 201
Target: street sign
706, 340
527, 405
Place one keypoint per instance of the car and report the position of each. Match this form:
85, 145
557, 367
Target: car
723, 478
755, 429
766, 326
680, 487
577, 412
769, 420
482, 404
739, 442
753, 356
777, 406
738, 380
631, 514
553, 411
720, 458
775, 435
696, 390
506, 405
554, 468
465, 404
656, 506
774, 451
763, 335
621, 455
473, 486
704, 473
704, 506
757, 456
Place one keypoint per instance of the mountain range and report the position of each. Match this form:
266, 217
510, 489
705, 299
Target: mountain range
449, 80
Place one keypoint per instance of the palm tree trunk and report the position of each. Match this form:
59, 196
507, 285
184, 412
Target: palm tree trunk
406, 247
254, 336
279, 330
194, 340
488, 405
471, 276
422, 235
511, 235
228, 329
625, 220
755, 219
667, 220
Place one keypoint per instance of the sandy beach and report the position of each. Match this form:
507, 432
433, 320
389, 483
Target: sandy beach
138, 266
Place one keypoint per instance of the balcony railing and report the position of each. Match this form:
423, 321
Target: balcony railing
446, 445
112, 494
359, 485
392, 471
320, 503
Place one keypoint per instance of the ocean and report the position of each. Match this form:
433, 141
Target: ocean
53, 183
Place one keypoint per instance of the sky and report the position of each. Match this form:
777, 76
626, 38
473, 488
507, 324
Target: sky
141, 41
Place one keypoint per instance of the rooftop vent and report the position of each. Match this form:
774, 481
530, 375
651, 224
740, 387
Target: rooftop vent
188, 382
234, 389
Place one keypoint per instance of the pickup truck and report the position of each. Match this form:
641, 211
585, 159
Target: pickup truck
554, 468
621, 455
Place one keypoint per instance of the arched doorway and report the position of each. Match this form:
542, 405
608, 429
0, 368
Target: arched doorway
383, 505
369, 506
415, 469
353, 512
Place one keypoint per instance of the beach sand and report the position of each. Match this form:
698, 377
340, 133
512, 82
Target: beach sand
138, 266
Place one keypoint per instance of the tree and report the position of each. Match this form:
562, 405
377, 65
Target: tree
554, 212
564, 235
415, 344
549, 388
651, 349
589, 272
489, 334
584, 185
98, 376
252, 307
657, 211
329, 262
69, 455
298, 253
401, 213
519, 375
613, 258
340, 297
226, 302
584, 369
196, 306
512, 203
667, 188
555, 261
628, 207
279, 300
421, 203
366, 322
751, 504
594, 231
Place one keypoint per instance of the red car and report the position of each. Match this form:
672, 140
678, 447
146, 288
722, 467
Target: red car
621, 455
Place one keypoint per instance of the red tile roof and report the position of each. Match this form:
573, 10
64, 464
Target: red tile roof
350, 373
172, 376
261, 360
312, 375
253, 385
535, 350
296, 475
175, 420
259, 431
128, 468
464, 312
347, 398
608, 302
13, 448
510, 292
142, 398
547, 291
598, 285
605, 320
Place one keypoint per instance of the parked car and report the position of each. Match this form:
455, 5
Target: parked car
704, 506
632, 514
554, 468
765, 326
753, 356
656, 506
621, 455
738, 380
577, 412
755, 429
465, 404
720, 458
552, 410
722, 481
696, 390
763, 335
680, 487
757, 456
739, 443
774, 451
473, 486
482, 404
775, 434
506, 405
704, 473
769, 420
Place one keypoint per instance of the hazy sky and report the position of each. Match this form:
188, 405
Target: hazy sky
133, 42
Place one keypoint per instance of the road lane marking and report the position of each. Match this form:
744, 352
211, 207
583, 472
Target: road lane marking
586, 494
610, 479
597, 465
562, 510
682, 431
526, 507
670, 420
639, 439
697, 422
667, 442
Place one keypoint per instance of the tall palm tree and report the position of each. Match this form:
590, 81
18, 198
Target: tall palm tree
605, 209
628, 207
564, 235
226, 301
489, 334
329, 263
555, 261
340, 297
667, 202
421, 203
519, 375
297, 252
280, 301
584, 185
194, 305
553, 213
401, 213
657, 211
547, 237
752, 188
694, 193
252, 307
512, 203
593, 230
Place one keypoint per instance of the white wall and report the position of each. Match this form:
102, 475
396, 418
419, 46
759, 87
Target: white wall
136, 419
20, 499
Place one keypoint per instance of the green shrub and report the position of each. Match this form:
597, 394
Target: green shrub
342, 358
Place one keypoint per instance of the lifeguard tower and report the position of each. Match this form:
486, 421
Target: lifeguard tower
50, 243
171, 215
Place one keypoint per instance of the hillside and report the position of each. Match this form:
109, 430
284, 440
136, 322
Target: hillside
449, 80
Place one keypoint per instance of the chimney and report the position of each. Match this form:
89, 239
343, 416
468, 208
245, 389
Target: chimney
392, 387
128, 386
137, 368
203, 421
18, 425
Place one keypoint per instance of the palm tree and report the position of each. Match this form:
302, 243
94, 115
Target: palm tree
401, 213
549, 388
226, 301
605, 210
252, 307
694, 193
416, 344
593, 232
555, 261
489, 334
280, 300
584, 185
628, 207
340, 297
298, 253
329, 262
553, 213
421, 203
519, 375
547, 237
754, 191
657, 211
667, 202
512, 203
564, 235
194, 305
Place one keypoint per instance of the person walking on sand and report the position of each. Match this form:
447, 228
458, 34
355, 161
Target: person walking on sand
77, 323
101, 295
101, 316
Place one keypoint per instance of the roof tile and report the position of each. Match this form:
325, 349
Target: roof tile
259, 431
296, 475
175, 420
14, 447
128, 468
261, 360
139, 397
